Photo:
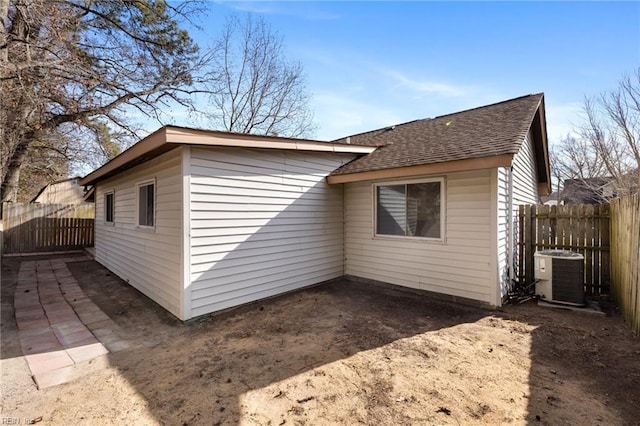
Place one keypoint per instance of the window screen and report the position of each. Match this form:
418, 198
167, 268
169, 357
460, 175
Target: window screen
146, 204
108, 207
411, 210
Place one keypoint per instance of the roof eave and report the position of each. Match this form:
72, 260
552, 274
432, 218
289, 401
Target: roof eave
169, 137
180, 135
504, 160
154, 141
539, 127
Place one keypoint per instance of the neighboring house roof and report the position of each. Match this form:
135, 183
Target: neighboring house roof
587, 191
90, 195
44, 188
170, 137
551, 199
483, 137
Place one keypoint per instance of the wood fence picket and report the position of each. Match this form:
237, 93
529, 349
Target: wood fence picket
36, 227
625, 258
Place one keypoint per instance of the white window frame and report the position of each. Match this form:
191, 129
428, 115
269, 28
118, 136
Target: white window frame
111, 192
443, 202
155, 196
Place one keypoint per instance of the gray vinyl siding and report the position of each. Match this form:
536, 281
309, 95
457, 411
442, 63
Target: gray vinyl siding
525, 177
503, 229
525, 191
262, 222
148, 259
460, 266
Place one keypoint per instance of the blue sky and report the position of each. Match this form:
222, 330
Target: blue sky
373, 64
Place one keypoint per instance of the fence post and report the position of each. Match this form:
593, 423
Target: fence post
589, 281
597, 254
553, 226
605, 245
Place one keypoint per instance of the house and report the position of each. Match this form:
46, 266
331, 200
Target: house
552, 199
202, 221
595, 190
66, 191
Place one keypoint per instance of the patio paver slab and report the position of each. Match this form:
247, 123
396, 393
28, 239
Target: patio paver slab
48, 361
32, 324
87, 352
71, 338
55, 377
58, 325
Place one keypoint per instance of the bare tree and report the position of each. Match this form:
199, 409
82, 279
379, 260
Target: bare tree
604, 158
46, 161
613, 130
80, 68
576, 159
557, 172
42, 166
255, 88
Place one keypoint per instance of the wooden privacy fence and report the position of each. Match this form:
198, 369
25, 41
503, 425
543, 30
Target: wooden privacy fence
625, 258
580, 228
35, 227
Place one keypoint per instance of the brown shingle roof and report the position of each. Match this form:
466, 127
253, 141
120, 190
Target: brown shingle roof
480, 132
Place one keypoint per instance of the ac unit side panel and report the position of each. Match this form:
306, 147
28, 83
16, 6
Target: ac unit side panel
543, 266
544, 289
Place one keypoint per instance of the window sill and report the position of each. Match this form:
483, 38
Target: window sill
422, 240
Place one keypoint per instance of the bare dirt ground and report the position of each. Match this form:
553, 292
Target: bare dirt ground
339, 353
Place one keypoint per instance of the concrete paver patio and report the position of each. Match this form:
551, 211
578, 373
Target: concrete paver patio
59, 327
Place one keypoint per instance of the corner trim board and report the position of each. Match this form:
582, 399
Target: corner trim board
186, 234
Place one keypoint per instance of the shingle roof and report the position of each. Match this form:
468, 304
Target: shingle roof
480, 132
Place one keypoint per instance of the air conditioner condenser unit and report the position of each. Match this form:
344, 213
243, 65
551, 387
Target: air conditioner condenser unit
559, 276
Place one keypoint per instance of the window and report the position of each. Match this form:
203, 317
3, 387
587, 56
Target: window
146, 204
108, 207
410, 209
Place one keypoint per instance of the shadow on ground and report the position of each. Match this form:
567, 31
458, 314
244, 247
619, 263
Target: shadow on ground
583, 366
223, 357
10, 344
300, 356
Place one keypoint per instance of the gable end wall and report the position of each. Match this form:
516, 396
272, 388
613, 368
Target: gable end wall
525, 191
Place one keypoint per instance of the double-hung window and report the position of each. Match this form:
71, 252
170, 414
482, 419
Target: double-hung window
414, 209
146, 204
108, 206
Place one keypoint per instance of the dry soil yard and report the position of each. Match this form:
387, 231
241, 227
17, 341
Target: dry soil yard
339, 353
